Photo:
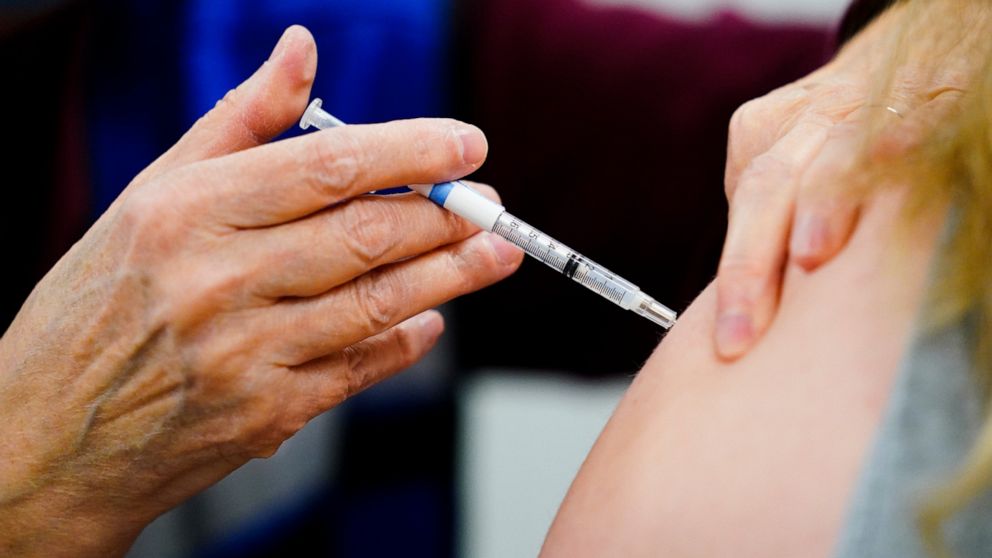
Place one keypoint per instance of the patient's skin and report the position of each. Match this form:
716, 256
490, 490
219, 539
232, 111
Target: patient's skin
757, 457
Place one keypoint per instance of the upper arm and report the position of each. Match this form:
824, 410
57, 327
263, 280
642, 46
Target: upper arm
756, 457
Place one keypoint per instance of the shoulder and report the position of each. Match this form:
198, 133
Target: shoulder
756, 457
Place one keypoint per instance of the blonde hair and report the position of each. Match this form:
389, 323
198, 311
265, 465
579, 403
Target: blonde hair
950, 164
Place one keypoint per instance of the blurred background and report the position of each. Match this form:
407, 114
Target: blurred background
607, 126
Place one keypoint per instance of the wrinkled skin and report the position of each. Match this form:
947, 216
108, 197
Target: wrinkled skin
790, 155
234, 291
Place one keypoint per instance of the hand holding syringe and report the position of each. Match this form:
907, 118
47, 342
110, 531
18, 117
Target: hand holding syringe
462, 200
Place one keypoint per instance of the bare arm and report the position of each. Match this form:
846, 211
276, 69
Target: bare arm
756, 457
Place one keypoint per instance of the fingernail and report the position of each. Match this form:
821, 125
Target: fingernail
474, 145
809, 237
506, 253
281, 46
430, 324
734, 331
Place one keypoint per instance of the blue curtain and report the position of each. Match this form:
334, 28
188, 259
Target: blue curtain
157, 65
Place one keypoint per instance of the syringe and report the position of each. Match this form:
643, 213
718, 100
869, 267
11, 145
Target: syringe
461, 199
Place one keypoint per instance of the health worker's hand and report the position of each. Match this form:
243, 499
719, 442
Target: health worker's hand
234, 291
788, 154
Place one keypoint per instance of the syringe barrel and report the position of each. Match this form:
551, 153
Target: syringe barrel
566, 261
462, 200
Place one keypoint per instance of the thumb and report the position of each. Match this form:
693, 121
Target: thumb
262, 107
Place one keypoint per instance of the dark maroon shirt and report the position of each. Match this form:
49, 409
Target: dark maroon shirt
607, 129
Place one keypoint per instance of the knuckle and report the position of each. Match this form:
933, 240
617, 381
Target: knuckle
765, 116
268, 443
327, 395
442, 227
459, 268
763, 167
356, 369
406, 347
376, 295
269, 425
211, 347
759, 183
452, 227
364, 365
743, 127
265, 451
140, 207
289, 422
132, 221
223, 289
740, 268
744, 119
436, 146
336, 162
370, 231
149, 225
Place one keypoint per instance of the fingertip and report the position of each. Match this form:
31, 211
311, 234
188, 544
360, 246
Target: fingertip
429, 326
817, 236
734, 334
474, 145
426, 150
300, 33
746, 301
808, 262
506, 253
278, 93
809, 239
295, 56
306, 49
809, 258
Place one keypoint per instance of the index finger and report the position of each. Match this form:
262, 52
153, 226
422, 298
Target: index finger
757, 125
756, 247
290, 179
